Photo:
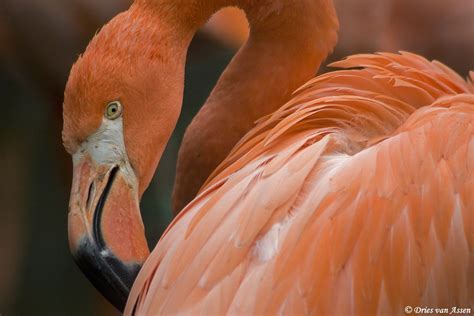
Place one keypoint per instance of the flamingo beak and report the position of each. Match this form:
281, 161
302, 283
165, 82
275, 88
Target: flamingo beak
106, 233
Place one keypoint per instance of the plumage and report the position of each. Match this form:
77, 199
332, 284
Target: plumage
356, 197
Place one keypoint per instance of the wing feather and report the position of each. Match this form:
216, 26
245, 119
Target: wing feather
356, 197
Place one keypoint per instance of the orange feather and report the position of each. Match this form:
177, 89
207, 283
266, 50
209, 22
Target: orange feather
355, 197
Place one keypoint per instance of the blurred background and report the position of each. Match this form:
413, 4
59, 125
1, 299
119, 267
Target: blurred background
39, 41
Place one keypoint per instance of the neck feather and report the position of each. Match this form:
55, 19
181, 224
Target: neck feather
288, 41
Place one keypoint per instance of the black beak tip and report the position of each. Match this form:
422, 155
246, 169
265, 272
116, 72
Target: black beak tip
110, 276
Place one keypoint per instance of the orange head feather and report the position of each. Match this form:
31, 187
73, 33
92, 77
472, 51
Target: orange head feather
133, 59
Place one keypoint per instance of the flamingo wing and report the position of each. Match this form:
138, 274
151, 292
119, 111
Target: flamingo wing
355, 197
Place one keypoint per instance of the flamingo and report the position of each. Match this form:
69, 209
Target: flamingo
354, 195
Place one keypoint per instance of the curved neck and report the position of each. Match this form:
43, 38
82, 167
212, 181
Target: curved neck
288, 41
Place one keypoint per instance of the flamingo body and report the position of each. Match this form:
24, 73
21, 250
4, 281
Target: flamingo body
356, 197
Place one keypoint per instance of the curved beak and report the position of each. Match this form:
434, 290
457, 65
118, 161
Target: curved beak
106, 233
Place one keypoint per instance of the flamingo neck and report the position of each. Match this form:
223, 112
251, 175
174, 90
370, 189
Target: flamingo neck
287, 43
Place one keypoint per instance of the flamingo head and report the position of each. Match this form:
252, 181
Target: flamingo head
121, 103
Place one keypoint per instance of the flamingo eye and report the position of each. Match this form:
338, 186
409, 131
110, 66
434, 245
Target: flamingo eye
113, 110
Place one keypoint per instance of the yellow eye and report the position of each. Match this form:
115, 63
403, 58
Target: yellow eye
113, 110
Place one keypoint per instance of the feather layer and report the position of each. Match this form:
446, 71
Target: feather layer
356, 197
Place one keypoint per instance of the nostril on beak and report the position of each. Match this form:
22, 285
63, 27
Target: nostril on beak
90, 195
